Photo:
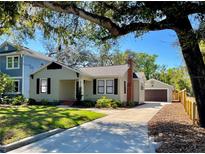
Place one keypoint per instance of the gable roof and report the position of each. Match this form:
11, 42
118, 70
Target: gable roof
58, 63
105, 71
13, 49
160, 82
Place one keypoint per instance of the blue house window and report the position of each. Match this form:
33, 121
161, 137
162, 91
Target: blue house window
12, 62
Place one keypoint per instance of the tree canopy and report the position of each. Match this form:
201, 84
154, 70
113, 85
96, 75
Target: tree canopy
69, 21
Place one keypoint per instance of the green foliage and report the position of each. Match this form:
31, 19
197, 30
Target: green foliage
202, 48
6, 100
87, 103
178, 77
105, 102
44, 102
117, 103
6, 84
132, 104
19, 100
143, 62
31, 101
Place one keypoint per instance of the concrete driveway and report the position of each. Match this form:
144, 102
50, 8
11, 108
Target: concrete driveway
120, 131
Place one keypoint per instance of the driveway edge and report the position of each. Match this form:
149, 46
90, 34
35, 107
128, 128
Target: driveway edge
28, 140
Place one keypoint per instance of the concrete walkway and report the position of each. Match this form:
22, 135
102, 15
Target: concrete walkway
120, 131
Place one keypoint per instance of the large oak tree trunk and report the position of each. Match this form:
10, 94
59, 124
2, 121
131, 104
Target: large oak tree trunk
194, 62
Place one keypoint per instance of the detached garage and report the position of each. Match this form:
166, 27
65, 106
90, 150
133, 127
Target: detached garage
156, 90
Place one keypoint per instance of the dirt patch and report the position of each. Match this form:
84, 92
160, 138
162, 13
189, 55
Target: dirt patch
172, 126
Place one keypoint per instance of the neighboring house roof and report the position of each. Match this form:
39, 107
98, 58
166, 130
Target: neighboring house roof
160, 82
22, 50
105, 71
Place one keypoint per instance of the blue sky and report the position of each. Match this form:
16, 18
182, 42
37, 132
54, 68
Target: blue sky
161, 43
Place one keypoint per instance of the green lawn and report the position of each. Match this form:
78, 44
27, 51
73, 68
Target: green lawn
24, 121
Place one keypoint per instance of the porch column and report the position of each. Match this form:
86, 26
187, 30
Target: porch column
82, 88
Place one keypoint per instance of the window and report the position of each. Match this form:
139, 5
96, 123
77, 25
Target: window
16, 62
16, 86
101, 86
125, 87
9, 62
43, 85
109, 86
12, 62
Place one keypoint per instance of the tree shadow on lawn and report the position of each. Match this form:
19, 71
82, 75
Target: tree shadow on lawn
33, 121
178, 137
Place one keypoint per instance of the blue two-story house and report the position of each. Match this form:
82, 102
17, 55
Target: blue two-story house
19, 62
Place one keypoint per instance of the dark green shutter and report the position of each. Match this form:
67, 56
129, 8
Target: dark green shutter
94, 87
115, 86
49, 85
37, 86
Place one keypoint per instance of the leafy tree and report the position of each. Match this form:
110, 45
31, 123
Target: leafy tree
6, 84
104, 20
114, 19
143, 62
178, 77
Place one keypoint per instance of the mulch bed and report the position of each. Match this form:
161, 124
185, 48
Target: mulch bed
172, 126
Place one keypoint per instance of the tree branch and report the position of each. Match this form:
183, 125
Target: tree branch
105, 22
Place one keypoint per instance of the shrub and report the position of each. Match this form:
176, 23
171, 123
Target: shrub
32, 101
103, 102
19, 100
54, 103
85, 103
88, 103
118, 103
44, 102
6, 100
132, 104
114, 105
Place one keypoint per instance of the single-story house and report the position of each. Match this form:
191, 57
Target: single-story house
156, 90
57, 82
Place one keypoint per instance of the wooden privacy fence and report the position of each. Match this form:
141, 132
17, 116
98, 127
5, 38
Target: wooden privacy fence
188, 103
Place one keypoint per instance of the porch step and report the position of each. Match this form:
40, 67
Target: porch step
69, 102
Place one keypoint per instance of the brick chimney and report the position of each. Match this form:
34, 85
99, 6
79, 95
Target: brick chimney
130, 83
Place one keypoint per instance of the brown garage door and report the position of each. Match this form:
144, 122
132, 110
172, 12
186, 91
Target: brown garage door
156, 95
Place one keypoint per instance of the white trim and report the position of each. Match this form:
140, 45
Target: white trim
12, 58
14, 77
160, 89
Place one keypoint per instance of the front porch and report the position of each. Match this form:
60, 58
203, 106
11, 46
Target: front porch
69, 89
